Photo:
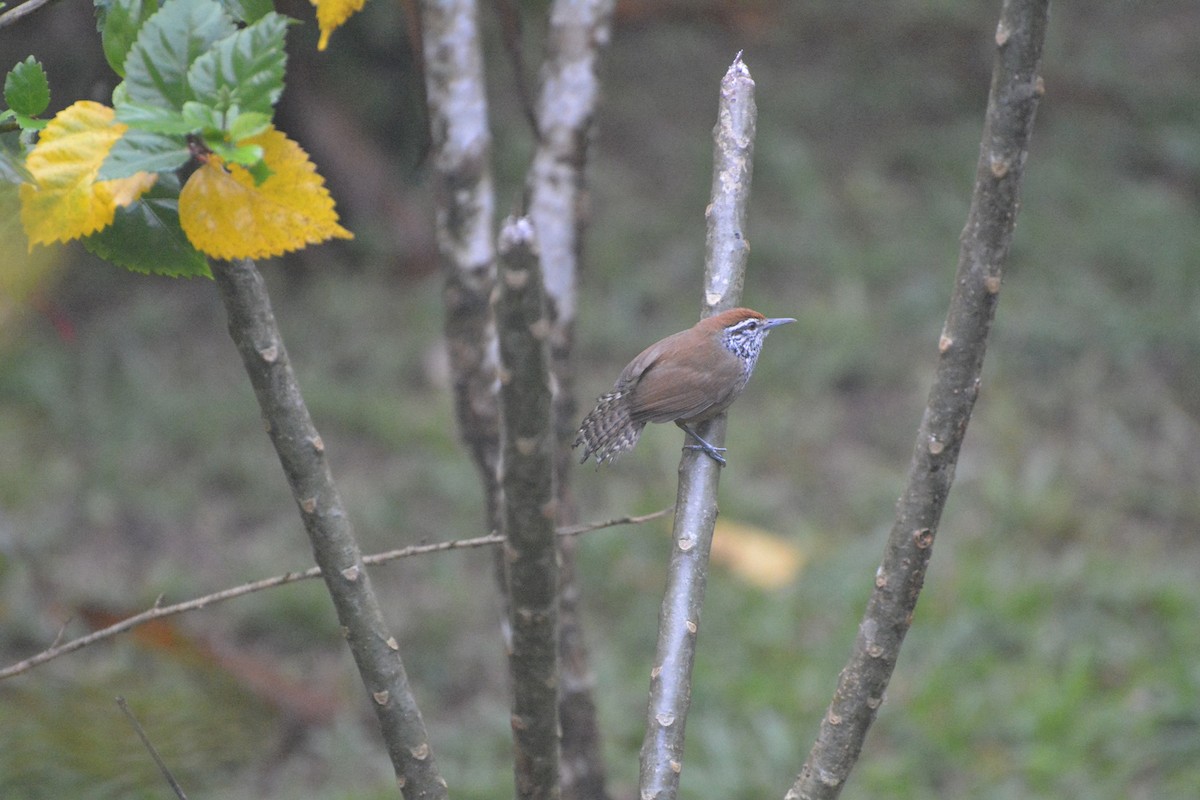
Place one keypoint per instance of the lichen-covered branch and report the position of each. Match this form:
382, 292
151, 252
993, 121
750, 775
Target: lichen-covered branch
461, 154
1015, 91
302, 455
530, 549
570, 86
696, 503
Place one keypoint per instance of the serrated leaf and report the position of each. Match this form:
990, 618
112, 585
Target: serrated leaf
67, 201
26, 88
119, 22
243, 126
146, 236
226, 216
201, 117
249, 11
332, 14
143, 151
175, 36
156, 119
244, 69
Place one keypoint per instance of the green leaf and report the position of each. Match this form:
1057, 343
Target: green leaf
143, 151
26, 89
244, 69
202, 118
259, 171
119, 22
30, 123
146, 236
155, 119
243, 126
249, 11
246, 155
157, 65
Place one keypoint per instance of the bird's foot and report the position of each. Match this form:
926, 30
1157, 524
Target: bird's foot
711, 451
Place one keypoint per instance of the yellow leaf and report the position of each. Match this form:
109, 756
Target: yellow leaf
67, 202
760, 558
226, 216
331, 14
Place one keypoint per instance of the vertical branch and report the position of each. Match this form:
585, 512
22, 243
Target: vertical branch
455, 92
696, 502
527, 436
570, 89
1012, 103
302, 455
461, 139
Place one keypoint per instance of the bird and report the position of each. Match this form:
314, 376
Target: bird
686, 378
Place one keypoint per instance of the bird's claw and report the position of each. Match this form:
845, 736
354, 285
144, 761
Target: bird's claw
712, 452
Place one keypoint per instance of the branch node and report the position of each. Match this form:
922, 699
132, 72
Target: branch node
999, 166
923, 537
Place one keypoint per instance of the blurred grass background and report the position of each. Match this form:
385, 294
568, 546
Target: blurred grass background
1056, 648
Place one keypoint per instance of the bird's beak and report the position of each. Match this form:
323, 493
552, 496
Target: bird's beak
774, 323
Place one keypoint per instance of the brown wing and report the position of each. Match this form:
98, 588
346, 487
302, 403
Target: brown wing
688, 385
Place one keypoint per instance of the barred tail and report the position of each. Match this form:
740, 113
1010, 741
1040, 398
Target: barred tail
608, 430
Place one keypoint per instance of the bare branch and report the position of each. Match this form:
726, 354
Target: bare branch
458, 123
159, 611
526, 477
1015, 91
301, 453
696, 503
576, 38
18, 13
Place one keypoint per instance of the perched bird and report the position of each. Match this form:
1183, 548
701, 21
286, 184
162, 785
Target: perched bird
688, 377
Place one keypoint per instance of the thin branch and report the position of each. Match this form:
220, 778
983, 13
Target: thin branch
302, 455
696, 503
576, 39
526, 478
159, 611
141, 732
18, 13
1015, 91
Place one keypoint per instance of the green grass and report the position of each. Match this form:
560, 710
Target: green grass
1053, 650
